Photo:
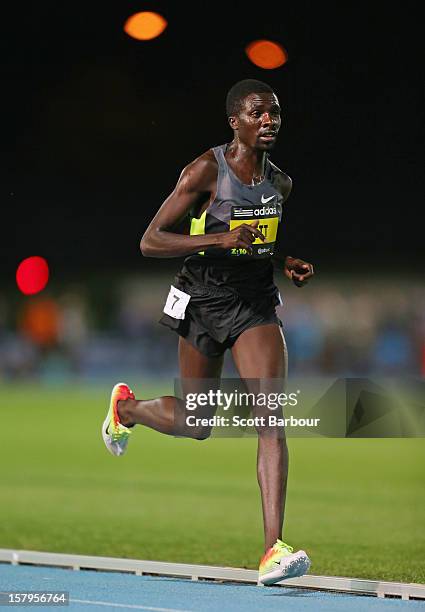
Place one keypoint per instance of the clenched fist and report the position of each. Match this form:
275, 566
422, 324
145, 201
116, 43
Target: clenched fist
241, 237
298, 271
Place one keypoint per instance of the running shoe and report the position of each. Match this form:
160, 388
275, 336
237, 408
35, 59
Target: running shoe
114, 433
280, 563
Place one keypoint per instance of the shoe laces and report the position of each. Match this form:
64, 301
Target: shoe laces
281, 546
119, 433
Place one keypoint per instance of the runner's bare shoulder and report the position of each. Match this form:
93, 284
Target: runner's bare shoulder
201, 173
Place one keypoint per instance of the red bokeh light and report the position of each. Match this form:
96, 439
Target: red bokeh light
32, 275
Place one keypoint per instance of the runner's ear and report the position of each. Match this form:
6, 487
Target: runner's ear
233, 122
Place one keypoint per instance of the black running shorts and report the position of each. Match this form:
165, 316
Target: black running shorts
216, 316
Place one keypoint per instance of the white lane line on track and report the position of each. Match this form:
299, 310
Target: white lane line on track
120, 605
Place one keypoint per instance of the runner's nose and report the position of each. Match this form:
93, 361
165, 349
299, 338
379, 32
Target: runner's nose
267, 120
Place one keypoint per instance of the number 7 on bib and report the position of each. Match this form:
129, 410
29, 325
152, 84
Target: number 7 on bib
176, 303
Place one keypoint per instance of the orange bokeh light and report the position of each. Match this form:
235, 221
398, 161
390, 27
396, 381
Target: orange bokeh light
266, 54
145, 25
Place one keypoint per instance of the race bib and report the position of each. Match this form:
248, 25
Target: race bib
268, 218
176, 303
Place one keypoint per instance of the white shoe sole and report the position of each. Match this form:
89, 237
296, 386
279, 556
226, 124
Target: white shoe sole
292, 566
113, 447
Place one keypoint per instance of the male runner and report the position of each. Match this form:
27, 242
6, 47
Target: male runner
229, 203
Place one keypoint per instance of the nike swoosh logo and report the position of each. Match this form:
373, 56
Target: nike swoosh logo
265, 200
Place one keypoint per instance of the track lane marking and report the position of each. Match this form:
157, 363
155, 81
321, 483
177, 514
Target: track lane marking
132, 606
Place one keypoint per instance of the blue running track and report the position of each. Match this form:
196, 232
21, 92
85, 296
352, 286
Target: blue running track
95, 590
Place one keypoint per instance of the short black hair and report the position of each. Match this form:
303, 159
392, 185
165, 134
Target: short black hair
240, 91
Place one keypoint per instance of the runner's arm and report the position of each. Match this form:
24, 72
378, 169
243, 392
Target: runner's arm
194, 187
285, 239
298, 270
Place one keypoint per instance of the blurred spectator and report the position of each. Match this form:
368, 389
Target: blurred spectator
356, 329
393, 351
18, 357
73, 328
39, 322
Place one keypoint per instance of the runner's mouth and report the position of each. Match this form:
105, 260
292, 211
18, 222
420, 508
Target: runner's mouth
268, 136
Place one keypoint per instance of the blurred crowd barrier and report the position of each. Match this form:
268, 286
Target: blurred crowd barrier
333, 327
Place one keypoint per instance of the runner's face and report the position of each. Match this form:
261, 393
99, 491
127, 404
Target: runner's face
258, 121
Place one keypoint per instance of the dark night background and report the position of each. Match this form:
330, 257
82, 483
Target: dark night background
98, 126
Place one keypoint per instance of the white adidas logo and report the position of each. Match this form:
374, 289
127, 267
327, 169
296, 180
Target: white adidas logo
257, 212
265, 210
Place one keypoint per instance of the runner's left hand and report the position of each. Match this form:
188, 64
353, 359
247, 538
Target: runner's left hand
298, 271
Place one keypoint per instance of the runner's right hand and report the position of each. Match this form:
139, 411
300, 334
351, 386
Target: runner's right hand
241, 237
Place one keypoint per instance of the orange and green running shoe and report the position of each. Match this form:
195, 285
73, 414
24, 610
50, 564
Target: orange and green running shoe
114, 433
280, 563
